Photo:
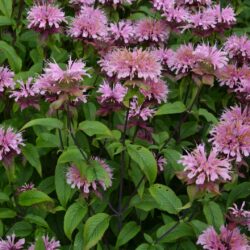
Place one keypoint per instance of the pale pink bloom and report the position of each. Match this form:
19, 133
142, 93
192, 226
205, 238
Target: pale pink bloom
163, 55
76, 179
136, 64
231, 135
202, 169
6, 79
163, 4
176, 16
25, 187
116, 2
82, 2
198, 2
244, 87
161, 162
123, 31
116, 93
48, 244
10, 143
11, 244
151, 30
90, 24
210, 56
155, 90
45, 17
183, 59
227, 239
26, 95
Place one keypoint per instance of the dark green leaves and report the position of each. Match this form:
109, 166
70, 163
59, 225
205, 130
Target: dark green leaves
32, 197
49, 123
95, 128
6, 7
171, 108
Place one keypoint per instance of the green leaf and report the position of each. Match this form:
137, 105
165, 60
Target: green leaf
6, 7
128, 232
171, 108
74, 216
208, 116
31, 154
166, 198
241, 191
32, 197
21, 229
213, 214
198, 226
39, 245
94, 229
63, 190
35, 219
50, 123
71, 154
5, 21
145, 159
6, 213
13, 59
188, 129
4, 197
95, 128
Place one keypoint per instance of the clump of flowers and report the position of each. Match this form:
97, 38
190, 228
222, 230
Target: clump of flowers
10, 143
205, 171
6, 79
226, 239
116, 2
79, 3
11, 243
49, 244
45, 18
232, 135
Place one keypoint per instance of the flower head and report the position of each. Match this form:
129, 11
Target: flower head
25, 187
48, 244
177, 16
90, 24
45, 17
82, 2
11, 244
116, 2
6, 79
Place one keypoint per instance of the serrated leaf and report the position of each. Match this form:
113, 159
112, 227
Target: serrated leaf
32, 197
50, 123
171, 108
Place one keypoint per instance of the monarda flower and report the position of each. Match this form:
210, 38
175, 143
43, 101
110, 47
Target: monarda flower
6, 79
151, 30
49, 244
227, 239
25, 187
76, 179
163, 4
126, 64
197, 2
121, 32
11, 243
206, 171
231, 136
90, 24
45, 18
80, 3
10, 143
26, 95
115, 2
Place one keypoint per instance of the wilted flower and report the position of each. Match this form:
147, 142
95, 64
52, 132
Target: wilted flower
45, 18
25, 187
6, 79
205, 171
10, 244
90, 24
26, 95
10, 143
48, 244
137, 64
151, 30
227, 239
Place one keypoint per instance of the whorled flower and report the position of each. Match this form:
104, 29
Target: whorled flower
76, 179
81, 3
25, 187
151, 30
121, 32
231, 136
90, 24
227, 239
163, 4
196, 2
10, 143
116, 2
49, 244
244, 88
45, 18
6, 79
11, 243
135, 64
26, 95
206, 171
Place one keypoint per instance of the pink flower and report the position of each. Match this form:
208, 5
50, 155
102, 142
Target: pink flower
227, 239
124, 63
161, 162
6, 79
163, 55
48, 244
176, 16
82, 2
205, 170
231, 136
198, 2
10, 244
90, 24
155, 90
25, 187
117, 93
151, 30
10, 143
122, 31
224, 16
26, 95
163, 4
77, 179
116, 2
45, 17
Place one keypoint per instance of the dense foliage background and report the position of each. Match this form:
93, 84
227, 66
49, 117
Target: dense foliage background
91, 173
